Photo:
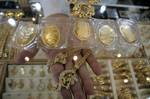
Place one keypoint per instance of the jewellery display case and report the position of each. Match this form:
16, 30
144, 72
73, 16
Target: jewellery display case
117, 33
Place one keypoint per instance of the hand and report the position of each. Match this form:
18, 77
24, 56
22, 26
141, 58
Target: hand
82, 88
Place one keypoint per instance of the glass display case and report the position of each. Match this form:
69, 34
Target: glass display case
117, 32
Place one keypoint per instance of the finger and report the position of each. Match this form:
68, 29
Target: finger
26, 55
76, 89
92, 61
56, 69
83, 73
86, 80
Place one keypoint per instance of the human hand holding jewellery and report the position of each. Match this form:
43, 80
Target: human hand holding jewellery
69, 77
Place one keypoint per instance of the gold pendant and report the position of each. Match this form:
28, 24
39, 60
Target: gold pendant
106, 35
32, 71
82, 30
25, 35
50, 36
66, 79
127, 33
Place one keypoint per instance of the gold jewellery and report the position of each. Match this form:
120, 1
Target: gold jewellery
25, 35
50, 36
82, 30
69, 77
106, 35
125, 93
4, 33
62, 57
83, 9
102, 85
127, 33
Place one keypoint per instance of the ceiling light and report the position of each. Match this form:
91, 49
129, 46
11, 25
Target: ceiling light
75, 58
102, 9
36, 6
33, 19
12, 22
27, 59
1, 13
119, 55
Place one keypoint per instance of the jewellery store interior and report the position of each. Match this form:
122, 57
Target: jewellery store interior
74, 49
